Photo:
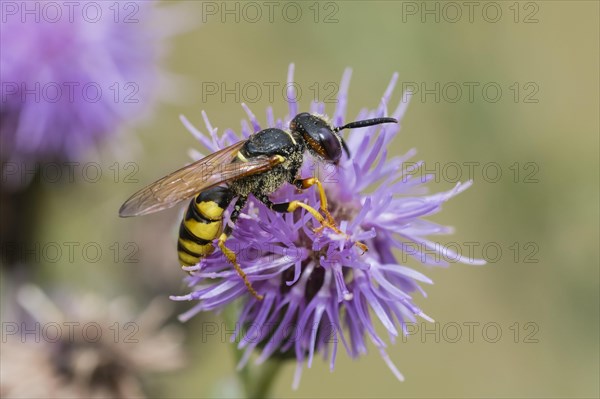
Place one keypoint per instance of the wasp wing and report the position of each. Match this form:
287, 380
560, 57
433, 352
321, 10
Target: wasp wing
201, 175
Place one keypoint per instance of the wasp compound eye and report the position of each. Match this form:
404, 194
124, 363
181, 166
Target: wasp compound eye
331, 144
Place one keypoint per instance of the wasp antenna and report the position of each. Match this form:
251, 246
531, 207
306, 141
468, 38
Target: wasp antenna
365, 123
345, 146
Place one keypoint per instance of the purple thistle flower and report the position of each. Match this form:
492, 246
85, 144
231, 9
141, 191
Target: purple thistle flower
71, 73
319, 289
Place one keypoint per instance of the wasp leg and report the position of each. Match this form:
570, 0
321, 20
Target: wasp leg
303, 184
291, 206
229, 254
311, 181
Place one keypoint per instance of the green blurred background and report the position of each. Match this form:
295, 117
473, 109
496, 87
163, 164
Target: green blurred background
555, 217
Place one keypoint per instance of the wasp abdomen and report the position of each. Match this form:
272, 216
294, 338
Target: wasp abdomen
202, 223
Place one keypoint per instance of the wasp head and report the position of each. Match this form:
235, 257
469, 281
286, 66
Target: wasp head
321, 139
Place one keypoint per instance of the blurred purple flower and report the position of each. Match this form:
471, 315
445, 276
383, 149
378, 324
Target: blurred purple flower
316, 286
71, 73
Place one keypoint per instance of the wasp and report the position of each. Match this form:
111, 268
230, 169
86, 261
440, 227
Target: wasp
258, 166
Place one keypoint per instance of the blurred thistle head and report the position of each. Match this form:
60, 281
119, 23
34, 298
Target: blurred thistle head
86, 348
320, 289
73, 73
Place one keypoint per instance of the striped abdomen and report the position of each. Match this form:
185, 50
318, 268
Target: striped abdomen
202, 223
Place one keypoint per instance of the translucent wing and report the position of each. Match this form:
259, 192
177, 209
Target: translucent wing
201, 175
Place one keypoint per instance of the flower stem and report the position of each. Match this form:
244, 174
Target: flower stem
256, 381
265, 378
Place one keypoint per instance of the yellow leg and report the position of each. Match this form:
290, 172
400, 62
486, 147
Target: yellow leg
230, 255
326, 221
311, 181
293, 205
329, 222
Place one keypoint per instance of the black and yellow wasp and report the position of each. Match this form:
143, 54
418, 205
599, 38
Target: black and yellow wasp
258, 166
